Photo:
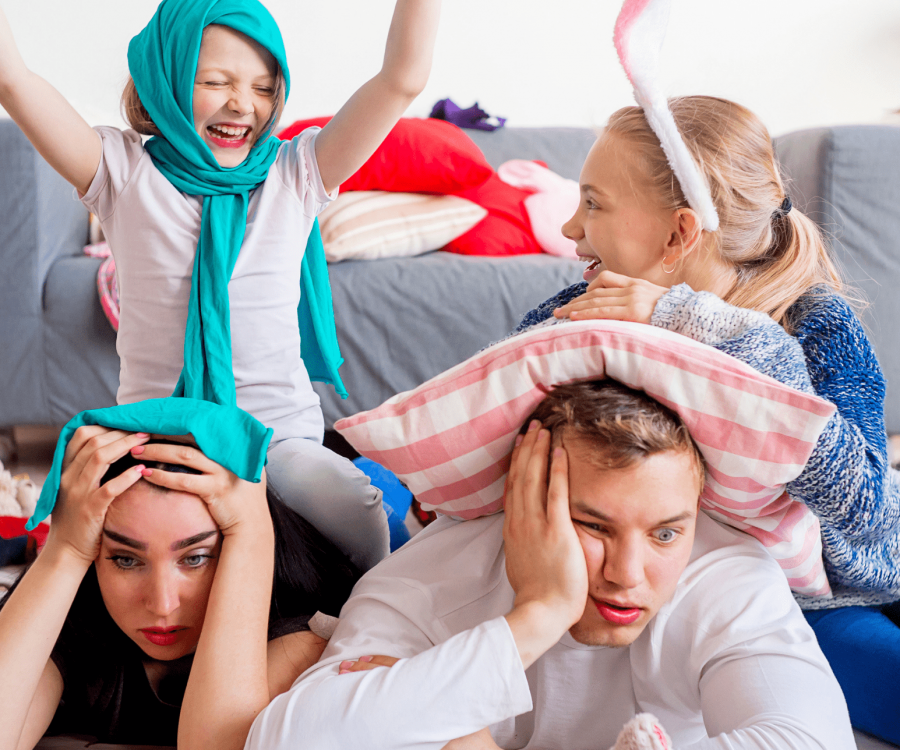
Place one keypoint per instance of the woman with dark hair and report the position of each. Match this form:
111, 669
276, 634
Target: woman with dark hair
169, 605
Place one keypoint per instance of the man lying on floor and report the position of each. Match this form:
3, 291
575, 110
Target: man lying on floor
599, 593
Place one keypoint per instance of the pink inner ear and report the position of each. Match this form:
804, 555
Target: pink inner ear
631, 11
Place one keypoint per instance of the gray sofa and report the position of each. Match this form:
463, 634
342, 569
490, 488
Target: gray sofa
400, 321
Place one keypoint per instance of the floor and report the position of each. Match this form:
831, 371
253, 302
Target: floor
35, 453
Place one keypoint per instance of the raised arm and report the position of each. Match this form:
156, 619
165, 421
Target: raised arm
364, 121
32, 617
52, 125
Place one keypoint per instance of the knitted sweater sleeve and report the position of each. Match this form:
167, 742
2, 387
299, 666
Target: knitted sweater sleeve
848, 482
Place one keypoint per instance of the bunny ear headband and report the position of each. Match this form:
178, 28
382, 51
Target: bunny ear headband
639, 35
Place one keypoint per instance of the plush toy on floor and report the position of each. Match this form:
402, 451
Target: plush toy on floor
643, 732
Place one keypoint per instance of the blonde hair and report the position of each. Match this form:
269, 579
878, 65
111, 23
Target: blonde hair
777, 257
139, 119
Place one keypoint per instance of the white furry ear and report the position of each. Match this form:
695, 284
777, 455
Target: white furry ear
639, 35
643, 732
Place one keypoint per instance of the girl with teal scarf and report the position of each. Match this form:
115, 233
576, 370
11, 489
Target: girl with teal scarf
209, 218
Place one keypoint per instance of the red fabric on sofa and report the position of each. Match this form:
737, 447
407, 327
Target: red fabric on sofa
418, 156
433, 156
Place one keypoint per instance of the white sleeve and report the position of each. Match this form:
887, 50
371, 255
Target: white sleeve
445, 686
771, 702
298, 169
452, 690
121, 152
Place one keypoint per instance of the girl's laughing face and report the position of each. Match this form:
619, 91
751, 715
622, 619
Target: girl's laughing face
234, 93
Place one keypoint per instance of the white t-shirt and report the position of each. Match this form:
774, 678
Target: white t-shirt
153, 229
730, 657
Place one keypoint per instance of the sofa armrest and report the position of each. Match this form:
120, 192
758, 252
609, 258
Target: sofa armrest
41, 221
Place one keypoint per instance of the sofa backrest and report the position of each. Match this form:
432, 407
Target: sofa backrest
847, 179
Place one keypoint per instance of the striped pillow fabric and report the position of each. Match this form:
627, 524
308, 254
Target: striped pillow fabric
450, 439
365, 225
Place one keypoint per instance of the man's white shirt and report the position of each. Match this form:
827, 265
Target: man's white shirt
728, 663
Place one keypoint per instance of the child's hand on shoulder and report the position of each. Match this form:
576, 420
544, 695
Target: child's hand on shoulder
613, 296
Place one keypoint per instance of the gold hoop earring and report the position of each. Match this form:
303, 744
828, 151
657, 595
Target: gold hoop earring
669, 270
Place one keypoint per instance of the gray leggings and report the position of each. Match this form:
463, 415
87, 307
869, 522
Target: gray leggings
333, 495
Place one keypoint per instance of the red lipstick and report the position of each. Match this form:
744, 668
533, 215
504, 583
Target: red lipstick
163, 636
616, 614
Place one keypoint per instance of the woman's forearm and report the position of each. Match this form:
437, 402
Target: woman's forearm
228, 685
30, 623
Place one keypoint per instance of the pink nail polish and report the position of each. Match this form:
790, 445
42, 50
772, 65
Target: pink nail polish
345, 665
519, 439
534, 425
145, 472
366, 658
140, 469
137, 450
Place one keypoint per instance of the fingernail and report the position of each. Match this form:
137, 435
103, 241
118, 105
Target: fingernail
534, 425
140, 469
519, 439
137, 450
145, 472
366, 658
141, 434
345, 665
344, 671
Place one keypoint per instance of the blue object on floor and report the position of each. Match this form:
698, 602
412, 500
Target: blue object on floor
395, 498
862, 646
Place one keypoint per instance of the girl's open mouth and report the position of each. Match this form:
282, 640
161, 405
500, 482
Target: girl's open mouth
593, 269
228, 136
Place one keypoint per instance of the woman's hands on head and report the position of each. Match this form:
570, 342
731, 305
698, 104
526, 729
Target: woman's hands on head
612, 296
81, 507
237, 506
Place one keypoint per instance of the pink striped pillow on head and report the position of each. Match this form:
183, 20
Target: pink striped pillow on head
450, 438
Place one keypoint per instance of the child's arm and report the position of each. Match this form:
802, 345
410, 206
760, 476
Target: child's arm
368, 116
55, 129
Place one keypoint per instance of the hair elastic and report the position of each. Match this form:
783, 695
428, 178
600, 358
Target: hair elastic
785, 208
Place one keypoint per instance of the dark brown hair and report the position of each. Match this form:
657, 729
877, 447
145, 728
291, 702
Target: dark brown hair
623, 424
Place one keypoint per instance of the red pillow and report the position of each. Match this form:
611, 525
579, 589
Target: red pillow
418, 156
506, 229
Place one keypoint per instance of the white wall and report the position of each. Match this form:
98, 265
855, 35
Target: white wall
797, 63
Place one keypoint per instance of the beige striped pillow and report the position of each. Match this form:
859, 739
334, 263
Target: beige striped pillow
364, 225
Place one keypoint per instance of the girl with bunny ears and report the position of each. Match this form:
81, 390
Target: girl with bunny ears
686, 224
208, 219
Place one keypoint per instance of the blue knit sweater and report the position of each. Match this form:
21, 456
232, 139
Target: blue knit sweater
848, 482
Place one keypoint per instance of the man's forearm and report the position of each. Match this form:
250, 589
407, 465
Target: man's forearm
471, 681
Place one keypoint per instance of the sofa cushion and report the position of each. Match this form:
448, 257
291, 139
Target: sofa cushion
847, 180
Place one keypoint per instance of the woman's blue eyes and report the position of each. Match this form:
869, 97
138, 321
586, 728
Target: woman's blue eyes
124, 562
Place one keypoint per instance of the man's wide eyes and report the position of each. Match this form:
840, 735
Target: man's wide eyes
666, 535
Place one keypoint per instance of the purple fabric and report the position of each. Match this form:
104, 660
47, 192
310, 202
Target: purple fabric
474, 117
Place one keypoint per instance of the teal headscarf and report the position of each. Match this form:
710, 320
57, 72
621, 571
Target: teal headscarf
163, 61
225, 434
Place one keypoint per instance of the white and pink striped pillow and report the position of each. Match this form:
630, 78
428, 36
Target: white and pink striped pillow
450, 438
